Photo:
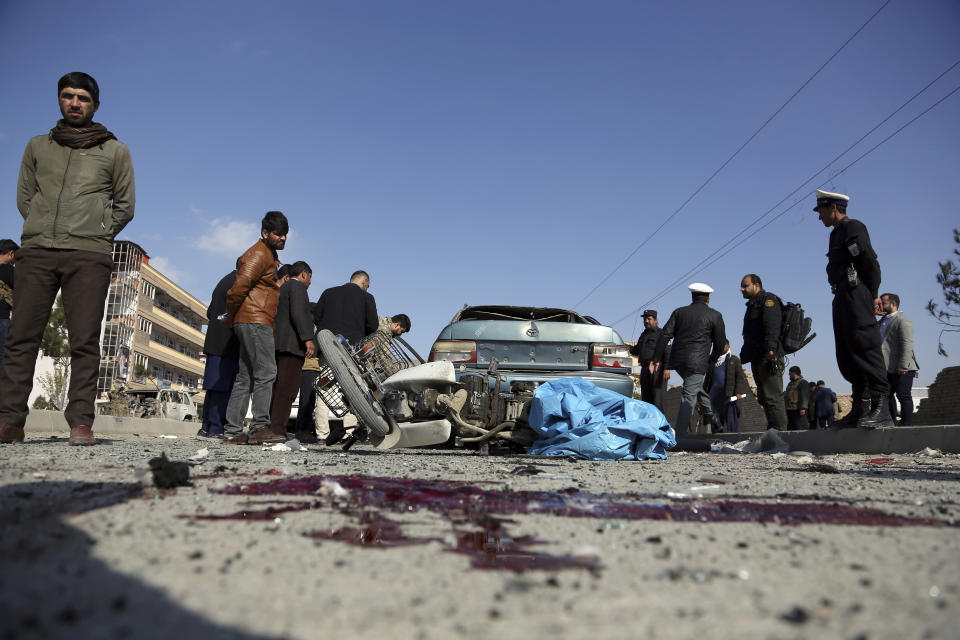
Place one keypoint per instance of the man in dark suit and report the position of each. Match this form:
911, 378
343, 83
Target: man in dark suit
223, 358
698, 335
896, 329
293, 337
348, 310
823, 401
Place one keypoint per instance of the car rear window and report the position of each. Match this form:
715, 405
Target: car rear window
540, 314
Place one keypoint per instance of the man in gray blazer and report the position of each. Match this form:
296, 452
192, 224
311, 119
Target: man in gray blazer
902, 367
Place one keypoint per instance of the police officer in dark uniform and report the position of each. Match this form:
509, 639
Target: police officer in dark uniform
653, 386
854, 276
762, 322
699, 336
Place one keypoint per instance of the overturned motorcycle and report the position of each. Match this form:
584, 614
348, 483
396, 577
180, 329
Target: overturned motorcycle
401, 401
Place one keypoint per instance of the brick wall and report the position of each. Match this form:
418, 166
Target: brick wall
942, 405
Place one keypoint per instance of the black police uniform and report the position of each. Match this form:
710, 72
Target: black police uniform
652, 386
854, 276
762, 322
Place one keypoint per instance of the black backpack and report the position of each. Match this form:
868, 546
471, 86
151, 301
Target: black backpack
795, 327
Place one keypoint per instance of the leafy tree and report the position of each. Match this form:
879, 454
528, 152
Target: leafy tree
949, 278
56, 344
42, 403
140, 372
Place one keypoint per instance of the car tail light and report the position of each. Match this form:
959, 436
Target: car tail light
454, 351
610, 355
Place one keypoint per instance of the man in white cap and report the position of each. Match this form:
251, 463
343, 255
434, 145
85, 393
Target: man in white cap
854, 276
698, 337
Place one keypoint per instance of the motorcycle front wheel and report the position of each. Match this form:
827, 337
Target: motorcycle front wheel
367, 409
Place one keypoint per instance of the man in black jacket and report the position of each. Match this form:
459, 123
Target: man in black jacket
653, 386
223, 357
698, 337
348, 310
293, 336
854, 276
761, 347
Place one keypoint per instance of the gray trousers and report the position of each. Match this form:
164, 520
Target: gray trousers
258, 369
692, 393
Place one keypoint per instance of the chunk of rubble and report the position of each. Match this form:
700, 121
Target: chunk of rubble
769, 441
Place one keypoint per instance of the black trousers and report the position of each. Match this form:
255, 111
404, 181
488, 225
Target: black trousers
858, 344
82, 277
900, 389
285, 389
653, 387
795, 421
308, 400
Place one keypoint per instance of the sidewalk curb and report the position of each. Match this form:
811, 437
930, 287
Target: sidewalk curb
42, 421
946, 438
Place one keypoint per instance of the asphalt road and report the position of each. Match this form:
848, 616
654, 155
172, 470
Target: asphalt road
464, 546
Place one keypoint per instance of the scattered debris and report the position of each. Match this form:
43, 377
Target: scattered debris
199, 457
931, 453
167, 437
879, 460
332, 488
714, 479
797, 615
168, 474
525, 470
687, 493
821, 467
290, 445
769, 441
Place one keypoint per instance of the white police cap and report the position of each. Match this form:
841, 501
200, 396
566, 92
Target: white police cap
699, 287
826, 198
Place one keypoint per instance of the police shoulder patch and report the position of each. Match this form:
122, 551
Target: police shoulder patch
768, 303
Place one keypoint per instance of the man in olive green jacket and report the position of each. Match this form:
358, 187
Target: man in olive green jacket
75, 193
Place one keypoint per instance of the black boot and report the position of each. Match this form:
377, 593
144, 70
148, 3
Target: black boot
879, 415
848, 421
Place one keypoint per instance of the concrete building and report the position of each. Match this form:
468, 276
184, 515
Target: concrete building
152, 328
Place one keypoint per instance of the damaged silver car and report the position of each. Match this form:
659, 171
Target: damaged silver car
478, 383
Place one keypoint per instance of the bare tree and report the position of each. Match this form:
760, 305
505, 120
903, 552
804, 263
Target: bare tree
949, 278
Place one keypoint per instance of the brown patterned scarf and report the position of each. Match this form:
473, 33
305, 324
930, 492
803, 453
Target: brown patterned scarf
83, 138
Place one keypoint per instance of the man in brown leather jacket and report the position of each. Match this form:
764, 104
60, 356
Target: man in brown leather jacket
251, 310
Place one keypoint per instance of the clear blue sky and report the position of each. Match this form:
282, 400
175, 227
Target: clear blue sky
513, 152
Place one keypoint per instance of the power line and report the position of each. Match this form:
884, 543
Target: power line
811, 178
730, 159
706, 262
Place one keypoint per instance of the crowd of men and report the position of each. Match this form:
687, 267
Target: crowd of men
877, 358
261, 347
76, 193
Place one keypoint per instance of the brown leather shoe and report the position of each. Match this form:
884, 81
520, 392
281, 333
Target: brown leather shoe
239, 439
81, 436
9, 433
264, 435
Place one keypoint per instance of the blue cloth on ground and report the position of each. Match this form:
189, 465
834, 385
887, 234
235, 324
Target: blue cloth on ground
573, 416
